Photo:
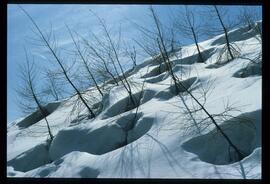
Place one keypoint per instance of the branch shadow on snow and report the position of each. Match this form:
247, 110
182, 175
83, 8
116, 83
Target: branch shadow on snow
170, 92
252, 69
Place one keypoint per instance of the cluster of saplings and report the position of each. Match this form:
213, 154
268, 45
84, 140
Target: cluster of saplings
101, 58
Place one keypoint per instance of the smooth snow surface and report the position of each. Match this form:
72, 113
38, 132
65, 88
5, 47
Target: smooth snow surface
161, 140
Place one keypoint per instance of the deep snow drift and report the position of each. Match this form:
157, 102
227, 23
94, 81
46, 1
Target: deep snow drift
161, 140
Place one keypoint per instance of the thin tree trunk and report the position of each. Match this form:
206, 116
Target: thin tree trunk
85, 62
150, 54
53, 88
44, 114
226, 33
201, 60
128, 88
123, 73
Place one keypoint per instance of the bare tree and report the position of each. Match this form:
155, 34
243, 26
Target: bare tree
188, 26
250, 18
148, 47
225, 32
98, 55
85, 62
150, 44
52, 50
114, 55
30, 96
217, 25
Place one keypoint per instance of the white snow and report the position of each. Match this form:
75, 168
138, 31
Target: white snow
163, 143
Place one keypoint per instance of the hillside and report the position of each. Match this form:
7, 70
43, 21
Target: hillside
158, 138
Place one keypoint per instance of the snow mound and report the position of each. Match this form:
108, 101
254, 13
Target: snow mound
194, 57
125, 104
135, 126
97, 141
100, 140
216, 65
62, 167
244, 132
11, 172
30, 159
170, 92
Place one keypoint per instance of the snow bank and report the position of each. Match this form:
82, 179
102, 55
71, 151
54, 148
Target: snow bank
30, 159
193, 57
94, 141
100, 140
74, 164
156, 71
170, 92
125, 104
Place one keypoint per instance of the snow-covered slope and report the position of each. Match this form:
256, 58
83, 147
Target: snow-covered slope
164, 142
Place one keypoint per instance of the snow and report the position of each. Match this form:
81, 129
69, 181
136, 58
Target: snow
160, 141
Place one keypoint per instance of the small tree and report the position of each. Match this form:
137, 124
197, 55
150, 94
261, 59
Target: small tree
113, 50
28, 91
250, 17
187, 25
85, 62
247, 17
46, 42
98, 55
217, 25
150, 44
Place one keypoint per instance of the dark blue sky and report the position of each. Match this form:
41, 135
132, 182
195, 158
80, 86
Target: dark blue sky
77, 17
